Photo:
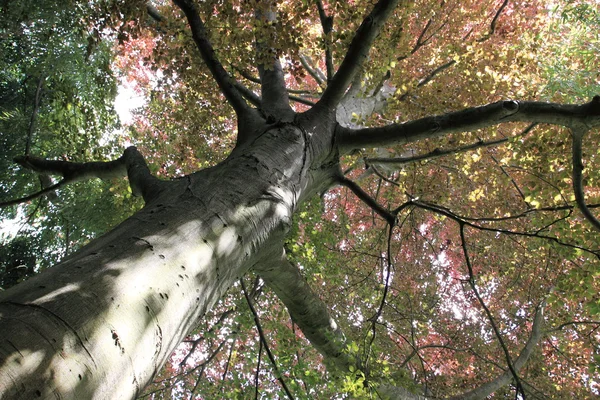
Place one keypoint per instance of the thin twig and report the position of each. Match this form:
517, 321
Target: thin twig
435, 153
34, 113
488, 313
263, 339
260, 349
447, 213
33, 196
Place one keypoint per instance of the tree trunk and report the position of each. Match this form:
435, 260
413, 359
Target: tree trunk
103, 322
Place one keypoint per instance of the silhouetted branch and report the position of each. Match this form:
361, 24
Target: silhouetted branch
33, 196
130, 164
494, 22
470, 119
263, 340
565, 324
488, 313
468, 222
327, 24
577, 134
388, 216
224, 80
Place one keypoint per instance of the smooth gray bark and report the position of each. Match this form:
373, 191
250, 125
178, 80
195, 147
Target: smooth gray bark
102, 323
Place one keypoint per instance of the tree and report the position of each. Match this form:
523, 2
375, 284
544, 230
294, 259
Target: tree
466, 265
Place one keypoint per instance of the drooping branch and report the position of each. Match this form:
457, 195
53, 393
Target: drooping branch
224, 80
356, 55
311, 315
578, 134
130, 164
488, 388
470, 119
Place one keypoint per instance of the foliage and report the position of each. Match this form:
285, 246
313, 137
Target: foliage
525, 241
58, 90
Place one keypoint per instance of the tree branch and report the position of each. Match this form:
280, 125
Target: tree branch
275, 100
153, 12
488, 313
488, 388
433, 154
483, 391
429, 77
302, 100
40, 193
131, 163
494, 22
36, 107
578, 134
388, 216
356, 55
308, 311
224, 80
247, 75
257, 101
248, 94
467, 221
314, 72
263, 340
327, 24
470, 119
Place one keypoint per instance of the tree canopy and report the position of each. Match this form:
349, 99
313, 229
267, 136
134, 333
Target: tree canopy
458, 260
